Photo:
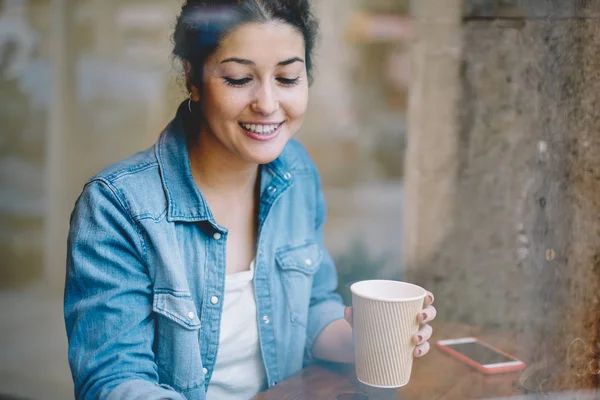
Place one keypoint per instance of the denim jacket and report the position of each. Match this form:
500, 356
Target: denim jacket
146, 275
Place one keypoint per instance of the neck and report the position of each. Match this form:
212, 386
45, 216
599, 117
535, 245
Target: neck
215, 170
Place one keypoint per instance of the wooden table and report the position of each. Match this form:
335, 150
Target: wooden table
434, 377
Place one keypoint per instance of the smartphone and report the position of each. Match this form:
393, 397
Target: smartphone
480, 355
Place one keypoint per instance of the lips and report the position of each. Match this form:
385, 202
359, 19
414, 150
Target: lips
262, 132
262, 128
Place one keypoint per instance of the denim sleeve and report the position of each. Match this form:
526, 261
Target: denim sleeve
326, 304
108, 302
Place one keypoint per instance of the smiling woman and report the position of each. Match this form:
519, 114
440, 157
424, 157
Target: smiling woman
255, 83
196, 269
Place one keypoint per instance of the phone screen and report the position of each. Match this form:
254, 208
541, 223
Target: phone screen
479, 353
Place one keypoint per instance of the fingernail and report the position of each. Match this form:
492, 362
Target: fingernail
424, 315
430, 297
420, 338
419, 352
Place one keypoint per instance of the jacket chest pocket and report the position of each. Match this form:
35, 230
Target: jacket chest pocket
297, 265
178, 348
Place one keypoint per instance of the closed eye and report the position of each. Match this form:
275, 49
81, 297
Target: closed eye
237, 82
289, 82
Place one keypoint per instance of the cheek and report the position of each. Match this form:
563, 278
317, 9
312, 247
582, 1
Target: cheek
222, 104
296, 103
231, 107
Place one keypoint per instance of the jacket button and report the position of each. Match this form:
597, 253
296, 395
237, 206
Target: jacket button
214, 300
191, 315
308, 261
287, 176
266, 319
216, 236
205, 371
272, 189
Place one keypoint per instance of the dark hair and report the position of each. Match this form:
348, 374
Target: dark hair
202, 25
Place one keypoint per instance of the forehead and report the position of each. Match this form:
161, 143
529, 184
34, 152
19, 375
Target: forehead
262, 41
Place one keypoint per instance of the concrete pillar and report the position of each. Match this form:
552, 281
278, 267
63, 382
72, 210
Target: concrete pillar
432, 153
503, 196
59, 201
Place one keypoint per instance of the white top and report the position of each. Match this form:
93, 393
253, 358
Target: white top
239, 372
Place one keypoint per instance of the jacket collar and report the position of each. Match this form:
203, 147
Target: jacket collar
184, 201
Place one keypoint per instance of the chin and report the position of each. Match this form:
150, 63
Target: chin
264, 155
264, 158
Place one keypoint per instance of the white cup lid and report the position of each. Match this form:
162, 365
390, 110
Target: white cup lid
389, 291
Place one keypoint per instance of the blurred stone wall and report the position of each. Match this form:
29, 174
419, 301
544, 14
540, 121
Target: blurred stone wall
516, 188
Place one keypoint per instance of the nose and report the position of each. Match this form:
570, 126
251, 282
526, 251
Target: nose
266, 101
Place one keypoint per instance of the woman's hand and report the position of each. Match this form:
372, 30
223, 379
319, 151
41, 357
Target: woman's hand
423, 335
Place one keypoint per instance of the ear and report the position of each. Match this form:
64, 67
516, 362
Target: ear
193, 90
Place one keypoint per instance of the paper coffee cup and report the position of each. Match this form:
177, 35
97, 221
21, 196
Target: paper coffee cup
385, 320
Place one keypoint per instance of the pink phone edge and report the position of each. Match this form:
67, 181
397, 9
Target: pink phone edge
480, 367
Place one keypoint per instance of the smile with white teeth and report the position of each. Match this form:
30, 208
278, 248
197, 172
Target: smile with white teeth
261, 129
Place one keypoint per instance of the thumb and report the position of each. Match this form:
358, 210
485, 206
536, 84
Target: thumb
349, 316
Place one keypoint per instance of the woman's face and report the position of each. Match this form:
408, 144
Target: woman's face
255, 92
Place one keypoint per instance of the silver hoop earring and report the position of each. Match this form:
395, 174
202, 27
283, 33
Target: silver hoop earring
190, 103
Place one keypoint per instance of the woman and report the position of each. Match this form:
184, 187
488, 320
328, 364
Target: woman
196, 269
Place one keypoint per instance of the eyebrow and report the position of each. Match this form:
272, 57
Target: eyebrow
248, 62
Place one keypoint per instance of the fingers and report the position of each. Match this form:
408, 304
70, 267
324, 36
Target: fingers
427, 315
429, 298
421, 349
349, 316
423, 335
